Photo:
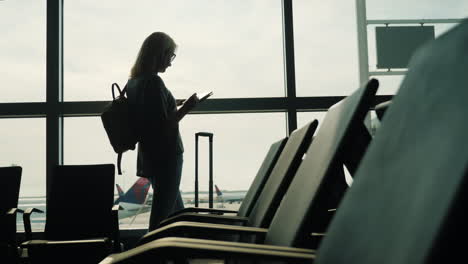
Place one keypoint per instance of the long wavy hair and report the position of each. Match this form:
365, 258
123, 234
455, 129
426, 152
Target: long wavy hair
152, 54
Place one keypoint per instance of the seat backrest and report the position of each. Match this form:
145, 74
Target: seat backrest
80, 202
262, 176
408, 202
306, 199
10, 177
281, 175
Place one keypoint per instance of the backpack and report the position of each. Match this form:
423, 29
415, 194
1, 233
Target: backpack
117, 122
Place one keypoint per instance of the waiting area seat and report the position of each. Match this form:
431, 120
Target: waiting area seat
10, 178
81, 219
263, 208
339, 118
255, 188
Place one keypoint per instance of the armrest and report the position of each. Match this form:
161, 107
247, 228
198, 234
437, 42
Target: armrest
14, 211
184, 248
381, 108
315, 239
39, 242
317, 234
203, 210
76, 251
205, 218
11, 214
238, 244
194, 229
115, 232
27, 221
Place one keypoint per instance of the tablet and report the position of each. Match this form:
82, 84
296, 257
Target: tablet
204, 96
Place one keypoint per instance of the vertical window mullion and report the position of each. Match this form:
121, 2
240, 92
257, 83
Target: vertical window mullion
289, 69
54, 86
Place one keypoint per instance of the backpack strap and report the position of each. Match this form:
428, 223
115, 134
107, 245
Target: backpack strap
115, 85
119, 161
124, 91
121, 92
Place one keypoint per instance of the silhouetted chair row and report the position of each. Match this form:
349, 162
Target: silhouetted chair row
252, 194
263, 207
81, 219
407, 202
283, 172
294, 201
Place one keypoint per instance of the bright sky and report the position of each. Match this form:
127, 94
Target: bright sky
233, 48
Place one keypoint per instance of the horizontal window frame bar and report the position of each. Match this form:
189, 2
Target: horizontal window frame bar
23, 110
212, 106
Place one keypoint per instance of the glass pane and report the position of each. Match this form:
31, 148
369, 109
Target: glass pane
23, 144
420, 9
326, 39
239, 146
325, 47
23, 51
231, 48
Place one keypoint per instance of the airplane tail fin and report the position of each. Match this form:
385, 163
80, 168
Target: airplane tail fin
137, 193
218, 192
120, 191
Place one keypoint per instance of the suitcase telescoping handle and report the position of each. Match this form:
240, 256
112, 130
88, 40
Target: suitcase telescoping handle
210, 138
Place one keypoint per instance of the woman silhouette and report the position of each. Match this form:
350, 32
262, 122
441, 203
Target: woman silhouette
156, 119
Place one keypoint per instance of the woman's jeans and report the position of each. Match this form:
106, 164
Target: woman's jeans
166, 194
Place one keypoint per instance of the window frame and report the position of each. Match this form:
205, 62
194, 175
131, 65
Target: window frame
54, 109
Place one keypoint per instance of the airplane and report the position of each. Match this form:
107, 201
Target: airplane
134, 201
229, 197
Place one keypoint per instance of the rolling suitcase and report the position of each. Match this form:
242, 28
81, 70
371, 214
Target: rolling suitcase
210, 195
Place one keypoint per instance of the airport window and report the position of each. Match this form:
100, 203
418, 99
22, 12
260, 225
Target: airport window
235, 49
334, 52
325, 48
234, 165
23, 51
231, 48
22, 142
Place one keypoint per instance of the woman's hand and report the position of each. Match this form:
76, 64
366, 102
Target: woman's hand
180, 102
191, 102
